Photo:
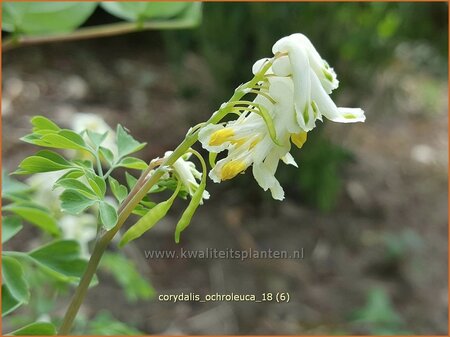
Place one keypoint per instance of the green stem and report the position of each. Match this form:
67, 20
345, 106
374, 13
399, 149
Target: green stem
139, 191
96, 32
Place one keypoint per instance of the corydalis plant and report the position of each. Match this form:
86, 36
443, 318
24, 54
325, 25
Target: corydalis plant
278, 106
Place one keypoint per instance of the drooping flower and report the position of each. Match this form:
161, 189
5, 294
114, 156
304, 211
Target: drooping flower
249, 143
313, 81
187, 173
292, 95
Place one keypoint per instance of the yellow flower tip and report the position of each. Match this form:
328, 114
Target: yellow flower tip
221, 136
349, 116
239, 142
232, 169
254, 143
299, 138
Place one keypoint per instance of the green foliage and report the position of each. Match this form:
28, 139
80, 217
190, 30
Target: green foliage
36, 329
105, 325
140, 11
53, 18
125, 273
119, 191
319, 177
61, 259
108, 214
13, 280
9, 302
379, 315
126, 143
35, 215
75, 202
45, 17
82, 186
132, 163
11, 225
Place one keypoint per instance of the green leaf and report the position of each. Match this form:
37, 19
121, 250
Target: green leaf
72, 174
150, 219
126, 143
43, 123
12, 186
43, 161
74, 184
133, 163
35, 215
74, 202
105, 325
61, 258
65, 139
119, 191
108, 215
96, 138
131, 181
97, 184
45, 17
139, 11
140, 210
9, 303
36, 329
106, 154
124, 270
11, 225
13, 279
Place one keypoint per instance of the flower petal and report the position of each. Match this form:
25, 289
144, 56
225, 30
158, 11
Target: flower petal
288, 159
257, 66
205, 137
328, 108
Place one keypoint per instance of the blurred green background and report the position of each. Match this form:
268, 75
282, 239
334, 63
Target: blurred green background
368, 202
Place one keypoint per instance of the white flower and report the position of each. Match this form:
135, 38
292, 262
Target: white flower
249, 143
187, 173
293, 94
82, 228
313, 81
42, 184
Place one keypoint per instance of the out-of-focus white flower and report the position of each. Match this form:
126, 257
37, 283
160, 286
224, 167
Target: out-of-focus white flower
292, 95
187, 173
44, 194
93, 122
82, 228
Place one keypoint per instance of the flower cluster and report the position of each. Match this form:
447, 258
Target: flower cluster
291, 96
186, 172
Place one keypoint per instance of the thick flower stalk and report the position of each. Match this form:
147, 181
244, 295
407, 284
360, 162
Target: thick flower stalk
291, 96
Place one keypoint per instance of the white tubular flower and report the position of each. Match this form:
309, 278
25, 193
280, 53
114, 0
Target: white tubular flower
292, 94
82, 228
188, 174
248, 143
313, 81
